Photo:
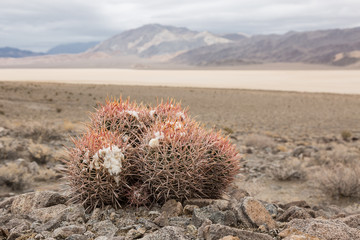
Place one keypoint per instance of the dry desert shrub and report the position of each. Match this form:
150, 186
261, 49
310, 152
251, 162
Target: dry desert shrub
39, 133
14, 176
340, 181
259, 141
290, 170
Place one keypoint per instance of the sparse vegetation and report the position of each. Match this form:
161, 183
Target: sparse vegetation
259, 141
346, 135
292, 169
340, 181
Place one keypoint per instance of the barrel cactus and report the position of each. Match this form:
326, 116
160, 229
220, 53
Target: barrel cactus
132, 154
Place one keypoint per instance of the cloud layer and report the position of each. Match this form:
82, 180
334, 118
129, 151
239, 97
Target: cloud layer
42, 24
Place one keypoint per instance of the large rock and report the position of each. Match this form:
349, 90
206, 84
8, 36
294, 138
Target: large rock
325, 229
217, 231
25, 203
166, 233
252, 213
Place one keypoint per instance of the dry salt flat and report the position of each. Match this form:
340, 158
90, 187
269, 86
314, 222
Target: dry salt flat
326, 81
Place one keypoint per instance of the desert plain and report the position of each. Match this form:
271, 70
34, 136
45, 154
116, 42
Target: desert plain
293, 135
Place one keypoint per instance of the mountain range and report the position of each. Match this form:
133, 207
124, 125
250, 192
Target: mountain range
155, 43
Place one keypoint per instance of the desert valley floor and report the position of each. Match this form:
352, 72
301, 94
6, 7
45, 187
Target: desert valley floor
297, 133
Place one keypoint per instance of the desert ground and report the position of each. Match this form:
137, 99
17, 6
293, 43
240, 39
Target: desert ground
294, 146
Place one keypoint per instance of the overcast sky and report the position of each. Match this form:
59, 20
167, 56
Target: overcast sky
41, 24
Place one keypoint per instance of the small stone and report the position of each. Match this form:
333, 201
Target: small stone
105, 228
64, 232
230, 238
162, 220
189, 209
191, 229
217, 231
272, 209
222, 204
77, 237
166, 233
135, 233
172, 208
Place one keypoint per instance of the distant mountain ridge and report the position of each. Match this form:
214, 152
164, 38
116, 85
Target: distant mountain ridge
8, 52
71, 48
331, 47
155, 39
155, 44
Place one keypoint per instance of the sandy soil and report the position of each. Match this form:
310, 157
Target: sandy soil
289, 119
328, 81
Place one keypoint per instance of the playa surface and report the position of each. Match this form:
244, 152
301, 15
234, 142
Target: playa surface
326, 81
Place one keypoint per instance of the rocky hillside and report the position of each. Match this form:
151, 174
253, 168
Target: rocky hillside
71, 48
7, 52
154, 39
338, 47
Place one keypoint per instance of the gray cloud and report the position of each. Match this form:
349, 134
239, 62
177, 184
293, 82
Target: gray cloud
41, 24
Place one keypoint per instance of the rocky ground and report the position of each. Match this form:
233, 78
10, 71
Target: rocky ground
47, 215
300, 165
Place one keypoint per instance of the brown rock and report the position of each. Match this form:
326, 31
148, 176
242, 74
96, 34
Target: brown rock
294, 212
189, 209
257, 213
325, 229
25, 203
217, 231
172, 208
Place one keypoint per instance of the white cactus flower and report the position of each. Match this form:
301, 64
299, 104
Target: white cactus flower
133, 113
159, 135
152, 113
112, 160
154, 143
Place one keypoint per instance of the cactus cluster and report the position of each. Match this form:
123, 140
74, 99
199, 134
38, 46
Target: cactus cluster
138, 155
